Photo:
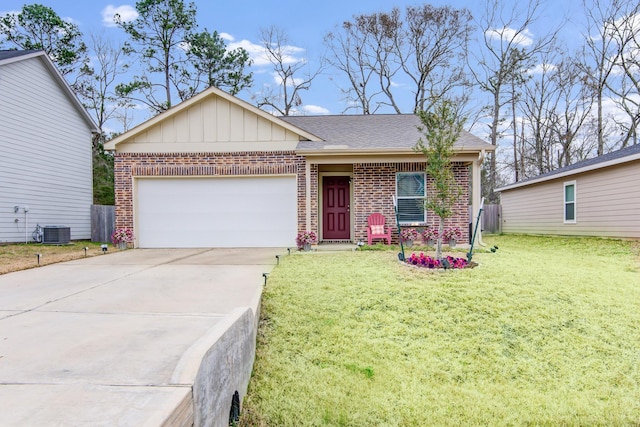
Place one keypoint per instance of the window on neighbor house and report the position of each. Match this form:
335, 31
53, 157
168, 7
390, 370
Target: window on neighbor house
570, 202
410, 194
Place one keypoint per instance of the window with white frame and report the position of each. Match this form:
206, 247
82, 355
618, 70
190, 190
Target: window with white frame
570, 202
410, 193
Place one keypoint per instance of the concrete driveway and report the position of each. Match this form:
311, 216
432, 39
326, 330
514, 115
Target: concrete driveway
137, 337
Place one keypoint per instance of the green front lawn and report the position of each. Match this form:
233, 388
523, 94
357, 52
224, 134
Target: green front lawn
546, 331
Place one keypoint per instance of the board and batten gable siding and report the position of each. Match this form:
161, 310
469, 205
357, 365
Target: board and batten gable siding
45, 154
607, 204
213, 124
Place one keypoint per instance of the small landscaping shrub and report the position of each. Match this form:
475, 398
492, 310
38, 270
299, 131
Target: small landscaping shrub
409, 234
430, 234
452, 234
122, 235
426, 261
306, 238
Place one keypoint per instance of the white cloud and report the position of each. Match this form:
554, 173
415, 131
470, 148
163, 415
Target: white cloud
292, 82
70, 20
291, 54
315, 109
226, 36
256, 51
542, 68
508, 34
127, 13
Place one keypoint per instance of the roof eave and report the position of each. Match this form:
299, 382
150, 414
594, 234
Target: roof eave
381, 151
41, 54
571, 172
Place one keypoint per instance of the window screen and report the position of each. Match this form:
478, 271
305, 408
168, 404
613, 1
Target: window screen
570, 202
410, 193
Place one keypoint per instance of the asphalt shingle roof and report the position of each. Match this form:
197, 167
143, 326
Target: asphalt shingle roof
614, 155
372, 131
8, 54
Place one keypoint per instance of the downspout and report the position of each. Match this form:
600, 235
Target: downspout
477, 196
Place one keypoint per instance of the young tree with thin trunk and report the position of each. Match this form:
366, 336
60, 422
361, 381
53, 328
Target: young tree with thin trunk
440, 127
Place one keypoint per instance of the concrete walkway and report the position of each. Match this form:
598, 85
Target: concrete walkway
119, 339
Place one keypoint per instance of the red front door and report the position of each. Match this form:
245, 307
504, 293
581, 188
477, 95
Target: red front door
336, 224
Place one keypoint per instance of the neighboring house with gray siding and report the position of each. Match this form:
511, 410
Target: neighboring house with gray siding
596, 197
45, 150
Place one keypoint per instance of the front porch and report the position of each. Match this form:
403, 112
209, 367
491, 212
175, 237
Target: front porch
341, 196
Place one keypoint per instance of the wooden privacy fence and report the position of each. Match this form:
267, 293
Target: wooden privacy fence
103, 222
492, 219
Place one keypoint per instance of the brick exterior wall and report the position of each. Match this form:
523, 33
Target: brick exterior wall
374, 184
314, 199
131, 165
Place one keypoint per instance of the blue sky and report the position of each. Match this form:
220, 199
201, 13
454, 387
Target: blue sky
305, 23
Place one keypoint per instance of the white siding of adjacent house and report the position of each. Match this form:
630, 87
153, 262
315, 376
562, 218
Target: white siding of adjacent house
607, 204
45, 154
213, 124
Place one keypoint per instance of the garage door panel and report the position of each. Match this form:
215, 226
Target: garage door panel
216, 212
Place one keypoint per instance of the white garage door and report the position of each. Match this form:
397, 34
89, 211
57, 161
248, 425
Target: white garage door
216, 212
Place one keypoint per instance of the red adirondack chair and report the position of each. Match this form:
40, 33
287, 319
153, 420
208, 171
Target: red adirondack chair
377, 229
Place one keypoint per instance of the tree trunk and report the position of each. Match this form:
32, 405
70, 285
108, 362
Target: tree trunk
494, 141
515, 133
600, 125
439, 243
167, 80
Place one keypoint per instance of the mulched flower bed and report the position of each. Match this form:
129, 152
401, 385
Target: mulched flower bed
447, 262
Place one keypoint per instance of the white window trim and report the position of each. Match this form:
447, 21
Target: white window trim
424, 178
575, 202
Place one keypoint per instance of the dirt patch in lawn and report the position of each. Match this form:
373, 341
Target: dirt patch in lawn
16, 257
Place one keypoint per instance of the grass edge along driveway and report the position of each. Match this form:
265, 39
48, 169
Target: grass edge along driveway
546, 331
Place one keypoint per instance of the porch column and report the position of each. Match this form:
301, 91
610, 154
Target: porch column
476, 197
307, 207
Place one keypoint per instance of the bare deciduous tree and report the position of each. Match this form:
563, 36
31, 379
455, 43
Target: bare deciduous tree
556, 105
292, 75
508, 48
96, 88
626, 34
350, 55
600, 54
437, 39
378, 52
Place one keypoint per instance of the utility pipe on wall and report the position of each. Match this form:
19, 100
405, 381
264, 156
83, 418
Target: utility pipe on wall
26, 224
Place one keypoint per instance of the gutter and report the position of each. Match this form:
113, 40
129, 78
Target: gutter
335, 150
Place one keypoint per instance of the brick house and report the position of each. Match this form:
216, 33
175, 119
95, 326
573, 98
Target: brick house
215, 171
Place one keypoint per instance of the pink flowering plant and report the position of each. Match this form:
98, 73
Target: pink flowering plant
306, 238
430, 234
409, 234
453, 233
122, 235
426, 261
